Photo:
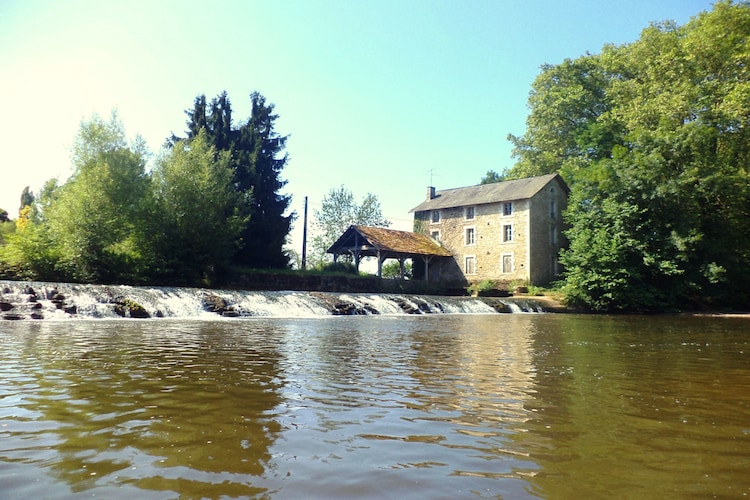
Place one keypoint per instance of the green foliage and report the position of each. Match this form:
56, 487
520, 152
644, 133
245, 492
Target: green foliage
29, 254
392, 269
336, 267
536, 290
184, 223
110, 223
197, 221
83, 230
491, 177
652, 138
7, 227
27, 198
566, 101
339, 210
483, 286
256, 159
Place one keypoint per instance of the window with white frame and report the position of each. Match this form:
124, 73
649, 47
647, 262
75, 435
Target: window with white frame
435, 216
469, 236
435, 235
469, 213
469, 265
507, 233
508, 208
506, 263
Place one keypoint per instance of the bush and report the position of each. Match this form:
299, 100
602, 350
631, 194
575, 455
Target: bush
483, 286
338, 267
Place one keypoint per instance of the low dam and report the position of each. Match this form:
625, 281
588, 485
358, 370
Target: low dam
27, 300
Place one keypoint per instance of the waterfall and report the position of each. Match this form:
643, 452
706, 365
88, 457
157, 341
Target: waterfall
41, 300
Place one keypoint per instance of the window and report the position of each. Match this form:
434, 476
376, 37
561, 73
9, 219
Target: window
435, 235
552, 209
469, 238
469, 213
553, 235
469, 267
506, 263
435, 214
508, 208
508, 232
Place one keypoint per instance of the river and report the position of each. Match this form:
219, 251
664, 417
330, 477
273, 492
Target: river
401, 406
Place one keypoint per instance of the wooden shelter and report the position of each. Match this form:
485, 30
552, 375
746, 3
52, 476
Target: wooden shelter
382, 243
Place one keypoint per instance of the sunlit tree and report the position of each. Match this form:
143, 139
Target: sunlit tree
653, 139
92, 219
196, 224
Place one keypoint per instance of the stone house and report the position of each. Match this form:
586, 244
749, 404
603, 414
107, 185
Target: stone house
506, 232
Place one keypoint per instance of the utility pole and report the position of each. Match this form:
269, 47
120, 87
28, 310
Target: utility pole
304, 238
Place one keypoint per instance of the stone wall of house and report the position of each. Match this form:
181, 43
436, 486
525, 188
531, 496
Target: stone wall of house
533, 249
489, 245
546, 239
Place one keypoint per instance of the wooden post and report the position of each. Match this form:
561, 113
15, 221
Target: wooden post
304, 239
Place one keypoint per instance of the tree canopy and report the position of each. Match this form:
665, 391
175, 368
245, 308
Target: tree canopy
91, 220
653, 138
209, 202
198, 219
257, 160
491, 177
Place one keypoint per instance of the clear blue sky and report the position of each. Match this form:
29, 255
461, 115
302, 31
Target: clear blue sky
381, 96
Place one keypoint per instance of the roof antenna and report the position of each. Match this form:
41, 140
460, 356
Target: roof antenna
430, 171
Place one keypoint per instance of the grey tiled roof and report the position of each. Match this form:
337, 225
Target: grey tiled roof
519, 189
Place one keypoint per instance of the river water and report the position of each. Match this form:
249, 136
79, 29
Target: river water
433, 406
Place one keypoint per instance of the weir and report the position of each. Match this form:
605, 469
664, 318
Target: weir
28, 300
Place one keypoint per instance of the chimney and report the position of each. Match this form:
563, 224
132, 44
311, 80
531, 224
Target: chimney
430, 193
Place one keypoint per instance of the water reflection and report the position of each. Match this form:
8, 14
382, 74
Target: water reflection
463, 406
428, 404
174, 408
640, 407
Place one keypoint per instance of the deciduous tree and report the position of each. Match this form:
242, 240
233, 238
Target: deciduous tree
338, 211
653, 139
491, 177
92, 219
197, 221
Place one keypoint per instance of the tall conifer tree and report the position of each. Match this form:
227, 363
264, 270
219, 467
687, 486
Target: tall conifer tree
257, 159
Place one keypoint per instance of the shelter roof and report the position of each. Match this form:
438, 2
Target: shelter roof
370, 241
519, 189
